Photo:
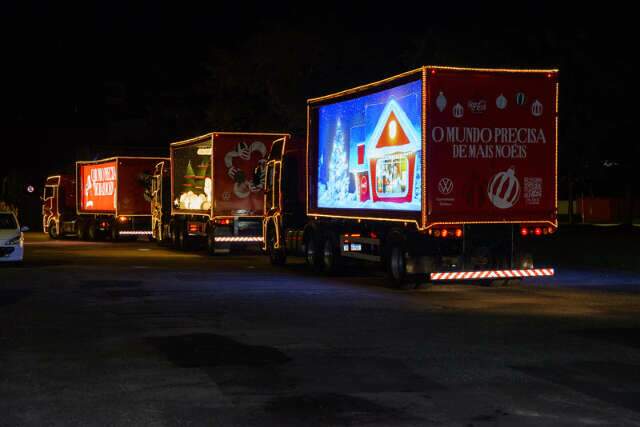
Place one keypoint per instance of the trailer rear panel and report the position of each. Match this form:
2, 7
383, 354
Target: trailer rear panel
191, 175
491, 146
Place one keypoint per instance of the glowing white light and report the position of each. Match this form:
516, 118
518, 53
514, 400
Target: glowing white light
393, 129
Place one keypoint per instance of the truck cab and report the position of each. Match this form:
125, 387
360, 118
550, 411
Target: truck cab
59, 206
161, 202
284, 199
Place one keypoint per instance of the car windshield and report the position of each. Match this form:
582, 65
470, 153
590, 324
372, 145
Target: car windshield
7, 222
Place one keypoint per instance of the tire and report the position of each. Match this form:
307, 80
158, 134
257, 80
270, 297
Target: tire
183, 240
276, 256
312, 254
331, 256
53, 230
81, 231
174, 237
397, 265
211, 243
115, 233
92, 231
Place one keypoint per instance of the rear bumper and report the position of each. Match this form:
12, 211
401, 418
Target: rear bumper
492, 274
238, 239
134, 232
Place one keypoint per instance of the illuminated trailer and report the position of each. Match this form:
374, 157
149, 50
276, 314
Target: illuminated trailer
107, 198
216, 191
440, 173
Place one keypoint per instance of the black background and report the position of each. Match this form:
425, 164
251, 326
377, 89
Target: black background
83, 81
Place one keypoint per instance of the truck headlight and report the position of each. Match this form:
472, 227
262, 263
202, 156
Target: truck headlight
13, 242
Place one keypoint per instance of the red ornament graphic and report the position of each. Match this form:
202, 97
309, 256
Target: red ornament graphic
536, 108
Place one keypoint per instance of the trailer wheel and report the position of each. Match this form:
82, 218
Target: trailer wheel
331, 255
92, 231
53, 230
276, 256
211, 242
183, 240
115, 233
397, 265
81, 231
313, 256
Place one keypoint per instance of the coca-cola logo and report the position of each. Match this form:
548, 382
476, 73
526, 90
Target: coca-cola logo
504, 189
363, 183
477, 107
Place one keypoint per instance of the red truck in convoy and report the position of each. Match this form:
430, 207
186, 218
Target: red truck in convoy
213, 194
107, 198
440, 173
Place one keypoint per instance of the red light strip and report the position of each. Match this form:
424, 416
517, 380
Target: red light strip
493, 274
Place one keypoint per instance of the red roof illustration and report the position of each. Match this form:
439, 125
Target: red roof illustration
393, 133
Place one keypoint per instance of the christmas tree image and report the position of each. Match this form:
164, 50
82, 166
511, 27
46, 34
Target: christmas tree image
189, 177
338, 182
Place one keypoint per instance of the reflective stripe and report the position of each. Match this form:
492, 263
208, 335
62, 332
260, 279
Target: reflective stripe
492, 274
238, 238
134, 233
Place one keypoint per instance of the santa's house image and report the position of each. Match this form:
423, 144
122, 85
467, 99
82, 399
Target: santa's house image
391, 155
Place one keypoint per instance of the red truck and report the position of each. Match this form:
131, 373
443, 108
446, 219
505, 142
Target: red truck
216, 191
440, 173
59, 206
107, 198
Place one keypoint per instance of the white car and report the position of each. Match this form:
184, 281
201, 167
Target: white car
11, 238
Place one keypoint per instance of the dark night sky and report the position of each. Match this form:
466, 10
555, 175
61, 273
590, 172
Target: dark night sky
91, 81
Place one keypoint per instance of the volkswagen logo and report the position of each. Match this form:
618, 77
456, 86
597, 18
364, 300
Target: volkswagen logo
445, 186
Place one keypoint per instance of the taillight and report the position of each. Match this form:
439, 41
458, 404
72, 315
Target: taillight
223, 221
123, 219
524, 231
194, 228
446, 233
537, 231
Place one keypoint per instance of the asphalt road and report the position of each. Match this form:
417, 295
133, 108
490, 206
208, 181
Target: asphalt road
133, 334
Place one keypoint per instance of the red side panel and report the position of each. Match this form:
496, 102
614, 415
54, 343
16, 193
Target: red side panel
134, 185
239, 172
491, 146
